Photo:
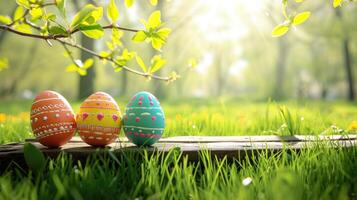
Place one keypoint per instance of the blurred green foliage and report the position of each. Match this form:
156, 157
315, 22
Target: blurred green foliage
241, 65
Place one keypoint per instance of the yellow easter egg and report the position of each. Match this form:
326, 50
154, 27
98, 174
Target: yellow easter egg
99, 119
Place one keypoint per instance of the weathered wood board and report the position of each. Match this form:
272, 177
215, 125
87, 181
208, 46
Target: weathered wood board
231, 146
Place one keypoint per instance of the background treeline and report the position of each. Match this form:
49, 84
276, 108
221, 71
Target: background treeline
230, 41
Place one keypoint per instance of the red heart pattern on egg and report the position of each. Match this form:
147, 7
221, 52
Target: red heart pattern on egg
103, 124
100, 116
115, 117
85, 115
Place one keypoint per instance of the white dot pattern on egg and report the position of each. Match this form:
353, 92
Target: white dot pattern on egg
144, 119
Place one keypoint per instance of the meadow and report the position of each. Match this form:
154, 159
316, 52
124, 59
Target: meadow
316, 173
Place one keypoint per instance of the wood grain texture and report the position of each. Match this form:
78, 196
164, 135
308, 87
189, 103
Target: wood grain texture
232, 147
260, 138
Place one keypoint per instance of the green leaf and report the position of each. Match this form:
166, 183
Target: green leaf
60, 188
301, 18
141, 63
129, 3
57, 30
104, 54
174, 76
36, 13
89, 20
154, 21
157, 43
25, 28
71, 68
118, 69
284, 8
116, 36
82, 15
94, 31
88, 63
164, 33
61, 5
24, 3
4, 63
153, 2
5, 19
34, 158
82, 72
110, 45
157, 63
192, 63
128, 55
125, 57
119, 60
139, 36
112, 11
97, 14
337, 3
79, 67
280, 30
19, 13
50, 17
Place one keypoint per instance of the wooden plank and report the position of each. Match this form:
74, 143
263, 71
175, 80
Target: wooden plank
213, 146
261, 138
235, 143
232, 147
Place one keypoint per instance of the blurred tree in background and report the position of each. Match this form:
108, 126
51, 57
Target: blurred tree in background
218, 49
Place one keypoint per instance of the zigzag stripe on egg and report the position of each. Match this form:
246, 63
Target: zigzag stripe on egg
144, 119
99, 120
52, 119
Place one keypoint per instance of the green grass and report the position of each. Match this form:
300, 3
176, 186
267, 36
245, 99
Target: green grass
217, 117
316, 173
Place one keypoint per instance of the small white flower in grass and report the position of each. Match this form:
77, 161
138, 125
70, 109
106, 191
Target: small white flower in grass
284, 125
302, 118
247, 181
194, 126
76, 169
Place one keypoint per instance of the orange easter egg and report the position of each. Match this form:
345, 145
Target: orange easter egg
52, 119
99, 119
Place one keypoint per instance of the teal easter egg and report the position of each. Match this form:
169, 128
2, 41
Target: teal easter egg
144, 119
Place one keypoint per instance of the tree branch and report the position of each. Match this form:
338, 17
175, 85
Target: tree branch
111, 26
58, 38
44, 37
113, 61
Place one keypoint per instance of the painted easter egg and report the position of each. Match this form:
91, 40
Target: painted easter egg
52, 119
144, 119
99, 119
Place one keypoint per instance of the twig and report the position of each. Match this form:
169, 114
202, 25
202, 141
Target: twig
113, 61
69, 54
121, 28
58, 37
44, 37
22, 17
32, 25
